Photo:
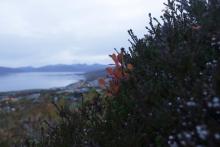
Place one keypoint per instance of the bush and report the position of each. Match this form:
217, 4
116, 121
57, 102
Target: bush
164, 91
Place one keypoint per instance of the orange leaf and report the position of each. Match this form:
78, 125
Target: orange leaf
114, 86
130, 67
101, 83
118, 73
115, 89
115, 59
109, 70
120, 58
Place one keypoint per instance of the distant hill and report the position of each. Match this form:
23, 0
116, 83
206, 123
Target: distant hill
4, 70
93, 75
55, 68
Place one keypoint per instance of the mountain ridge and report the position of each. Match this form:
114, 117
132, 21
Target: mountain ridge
54, 68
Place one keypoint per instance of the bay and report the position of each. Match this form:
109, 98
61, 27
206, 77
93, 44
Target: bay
37, 80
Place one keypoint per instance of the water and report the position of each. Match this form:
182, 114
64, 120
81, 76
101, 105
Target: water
37, 80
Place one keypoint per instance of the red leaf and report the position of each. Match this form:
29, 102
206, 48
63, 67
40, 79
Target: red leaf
114, 87
120, 58
115, 59
101, 83
109, 71
130, 67
118, 73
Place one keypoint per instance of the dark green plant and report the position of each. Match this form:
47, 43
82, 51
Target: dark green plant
172, 95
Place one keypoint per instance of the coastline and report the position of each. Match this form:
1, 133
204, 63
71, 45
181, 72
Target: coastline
82, 86
78, 87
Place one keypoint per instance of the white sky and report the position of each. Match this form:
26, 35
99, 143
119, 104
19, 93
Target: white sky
41, 32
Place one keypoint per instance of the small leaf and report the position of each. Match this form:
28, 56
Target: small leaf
102, 83
115, 59
115, 89
118, 73
130, 67
114, 86
120, 58
109, 71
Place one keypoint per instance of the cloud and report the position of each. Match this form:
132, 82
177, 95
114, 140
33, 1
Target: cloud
69, 31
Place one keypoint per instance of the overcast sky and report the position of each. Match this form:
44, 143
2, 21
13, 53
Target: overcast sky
41, 32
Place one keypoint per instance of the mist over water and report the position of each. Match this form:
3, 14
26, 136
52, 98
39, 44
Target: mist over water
37, 80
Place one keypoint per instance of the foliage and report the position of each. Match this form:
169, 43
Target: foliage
163, 91
22, 119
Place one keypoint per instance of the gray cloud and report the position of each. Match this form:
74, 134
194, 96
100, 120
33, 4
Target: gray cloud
40, 32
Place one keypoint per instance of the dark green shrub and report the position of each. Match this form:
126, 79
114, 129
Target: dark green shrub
172, 96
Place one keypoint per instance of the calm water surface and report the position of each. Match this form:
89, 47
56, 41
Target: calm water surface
37, 80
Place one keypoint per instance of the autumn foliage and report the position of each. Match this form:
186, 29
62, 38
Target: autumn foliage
120, 71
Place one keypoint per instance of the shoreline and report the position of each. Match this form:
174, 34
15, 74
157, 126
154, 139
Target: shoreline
83, 85
77, 87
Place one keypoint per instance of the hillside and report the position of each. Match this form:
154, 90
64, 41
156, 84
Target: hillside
93, 75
